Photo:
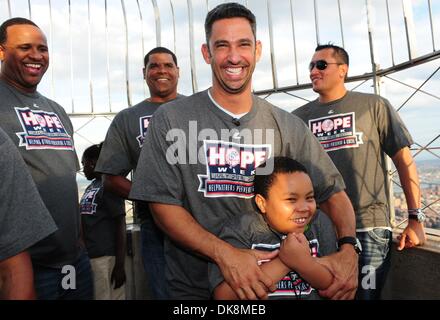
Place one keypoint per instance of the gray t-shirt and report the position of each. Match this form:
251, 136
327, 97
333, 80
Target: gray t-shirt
220, 185
122, 146
250, 231
24, 219
99, 210
356, 130
43, 134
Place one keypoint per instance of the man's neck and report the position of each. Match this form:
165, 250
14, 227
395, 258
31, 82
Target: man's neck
238, 103
325, 97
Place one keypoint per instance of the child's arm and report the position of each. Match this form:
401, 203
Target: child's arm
295, 254
275, 269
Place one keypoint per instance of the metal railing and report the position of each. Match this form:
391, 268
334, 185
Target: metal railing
101, 43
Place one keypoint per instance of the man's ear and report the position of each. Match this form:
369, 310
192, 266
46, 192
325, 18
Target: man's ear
258, 50
206, 54
143, 73
260, 202
344, 70
2, 53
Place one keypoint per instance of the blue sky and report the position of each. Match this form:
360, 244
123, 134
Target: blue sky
81, 52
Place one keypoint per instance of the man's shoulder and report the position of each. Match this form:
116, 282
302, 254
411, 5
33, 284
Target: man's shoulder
144, 108
304, 110
364, 96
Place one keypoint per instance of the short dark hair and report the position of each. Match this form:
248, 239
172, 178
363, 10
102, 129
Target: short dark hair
12, 22
262, 183
92, 152
338, 52
229, 10
159, 50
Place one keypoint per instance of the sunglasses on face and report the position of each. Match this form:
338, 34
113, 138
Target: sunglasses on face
321, 64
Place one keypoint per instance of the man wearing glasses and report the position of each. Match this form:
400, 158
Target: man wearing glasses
357, 130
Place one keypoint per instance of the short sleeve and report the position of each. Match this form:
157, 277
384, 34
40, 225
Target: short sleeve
393, 133
114, 157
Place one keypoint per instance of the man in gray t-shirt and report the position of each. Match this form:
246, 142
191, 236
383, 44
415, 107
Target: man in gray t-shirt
43, 134
24, 220
197, 168
121, 149
357, 130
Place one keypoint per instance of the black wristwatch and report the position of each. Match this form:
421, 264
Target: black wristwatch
353, 241
416, 214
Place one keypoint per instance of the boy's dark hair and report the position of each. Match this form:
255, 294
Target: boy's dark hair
92, 152
229, 10
338, 52
262, 183
12, 22
159, 50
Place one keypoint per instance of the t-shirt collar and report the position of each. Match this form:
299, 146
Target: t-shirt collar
229, 116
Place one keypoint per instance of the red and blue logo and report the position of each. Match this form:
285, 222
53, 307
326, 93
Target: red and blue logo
337, 131
231, 168
88, 204
42, 130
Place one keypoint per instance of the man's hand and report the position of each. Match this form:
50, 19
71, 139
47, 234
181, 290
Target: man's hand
344, 267
413, 235
240, 269
118, 276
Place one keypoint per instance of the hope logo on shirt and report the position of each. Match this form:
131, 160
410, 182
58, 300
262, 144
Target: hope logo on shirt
42, 130
336, 131
88, 204
231, 168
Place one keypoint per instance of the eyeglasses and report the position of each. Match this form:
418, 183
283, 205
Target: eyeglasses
321, 64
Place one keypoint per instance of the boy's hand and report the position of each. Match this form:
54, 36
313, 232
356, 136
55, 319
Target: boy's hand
294, 248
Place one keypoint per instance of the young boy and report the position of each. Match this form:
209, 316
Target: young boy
103, 226
288, 221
